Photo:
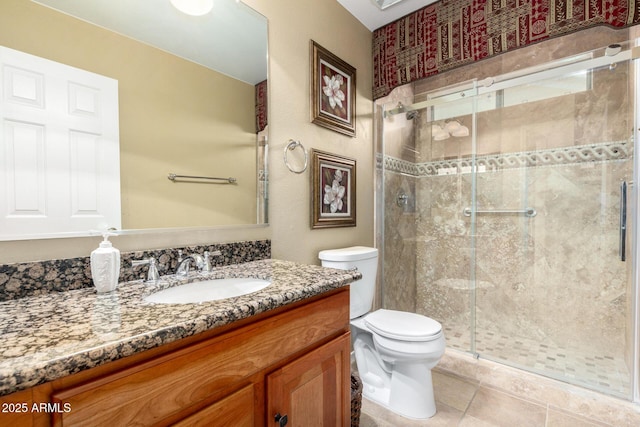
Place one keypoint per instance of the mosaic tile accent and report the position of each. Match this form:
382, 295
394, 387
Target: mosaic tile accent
48, 336
592, 153
41, 277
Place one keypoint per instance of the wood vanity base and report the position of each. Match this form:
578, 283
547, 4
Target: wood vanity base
291, 363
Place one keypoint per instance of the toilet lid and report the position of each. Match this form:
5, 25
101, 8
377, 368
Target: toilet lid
403, 326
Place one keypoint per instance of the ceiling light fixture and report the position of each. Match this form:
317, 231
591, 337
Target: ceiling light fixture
193, 7
383, 4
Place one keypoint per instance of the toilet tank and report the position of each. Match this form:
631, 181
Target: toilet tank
366, 261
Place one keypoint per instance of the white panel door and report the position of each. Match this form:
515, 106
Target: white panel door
59, 148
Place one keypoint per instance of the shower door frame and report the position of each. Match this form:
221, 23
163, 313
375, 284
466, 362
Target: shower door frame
635, 200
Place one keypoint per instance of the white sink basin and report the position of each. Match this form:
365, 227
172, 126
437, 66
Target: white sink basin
208, 290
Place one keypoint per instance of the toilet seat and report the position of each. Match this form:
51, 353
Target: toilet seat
403, 326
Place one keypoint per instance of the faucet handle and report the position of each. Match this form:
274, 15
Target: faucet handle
207, 259
152, 274
207, 262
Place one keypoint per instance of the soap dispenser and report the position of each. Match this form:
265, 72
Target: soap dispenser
105, 265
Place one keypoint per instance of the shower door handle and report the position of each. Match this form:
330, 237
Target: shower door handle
623, 221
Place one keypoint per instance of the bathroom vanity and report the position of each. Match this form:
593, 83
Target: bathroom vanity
275, 356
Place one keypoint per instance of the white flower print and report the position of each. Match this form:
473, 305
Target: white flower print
332, 89
334, 193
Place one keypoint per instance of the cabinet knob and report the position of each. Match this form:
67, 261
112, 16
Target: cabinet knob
282, 420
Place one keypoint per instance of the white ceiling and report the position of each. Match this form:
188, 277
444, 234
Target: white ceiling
373, 18
232, 39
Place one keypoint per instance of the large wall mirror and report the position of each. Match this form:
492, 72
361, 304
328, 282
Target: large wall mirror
191, 101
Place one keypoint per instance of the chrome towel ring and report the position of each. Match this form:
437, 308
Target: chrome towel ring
292, 145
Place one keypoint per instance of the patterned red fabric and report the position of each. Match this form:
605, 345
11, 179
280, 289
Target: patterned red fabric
261, 106
452, 33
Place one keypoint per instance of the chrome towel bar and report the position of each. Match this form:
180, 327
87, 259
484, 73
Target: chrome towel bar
173, 177
528, 212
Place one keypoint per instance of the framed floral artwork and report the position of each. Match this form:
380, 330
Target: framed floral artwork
333, 190
333, 91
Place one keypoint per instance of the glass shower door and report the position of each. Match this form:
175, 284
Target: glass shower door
503, 209
445, 188
552, 160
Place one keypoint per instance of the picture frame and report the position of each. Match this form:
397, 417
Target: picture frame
333, 189
333, 91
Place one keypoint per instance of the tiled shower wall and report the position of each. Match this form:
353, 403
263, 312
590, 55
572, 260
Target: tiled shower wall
552, 278
555, 277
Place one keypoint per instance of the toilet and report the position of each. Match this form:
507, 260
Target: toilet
394, 350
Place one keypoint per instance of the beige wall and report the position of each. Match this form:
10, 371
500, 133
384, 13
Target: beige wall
291, 25
185, 119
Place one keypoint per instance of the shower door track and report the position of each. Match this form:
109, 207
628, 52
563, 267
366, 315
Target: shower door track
527, 75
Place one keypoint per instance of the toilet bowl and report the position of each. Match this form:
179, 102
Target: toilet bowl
395, 363
394, 350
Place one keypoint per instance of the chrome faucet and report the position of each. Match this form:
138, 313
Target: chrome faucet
184, 264
202, 263
182, 269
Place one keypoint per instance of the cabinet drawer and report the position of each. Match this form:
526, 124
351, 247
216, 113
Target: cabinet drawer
168, 386
233, 410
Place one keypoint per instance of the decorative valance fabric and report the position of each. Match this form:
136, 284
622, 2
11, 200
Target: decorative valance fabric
451, 33
261, 106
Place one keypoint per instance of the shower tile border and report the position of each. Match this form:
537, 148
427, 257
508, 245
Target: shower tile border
579, 154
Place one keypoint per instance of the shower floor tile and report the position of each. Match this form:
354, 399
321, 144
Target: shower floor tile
603, 372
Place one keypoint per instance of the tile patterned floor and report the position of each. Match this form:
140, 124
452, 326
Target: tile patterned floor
497, 396
603, 372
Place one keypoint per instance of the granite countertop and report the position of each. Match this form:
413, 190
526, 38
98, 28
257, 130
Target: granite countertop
50, 336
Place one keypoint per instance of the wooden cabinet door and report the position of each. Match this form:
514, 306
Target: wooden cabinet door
312, 390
